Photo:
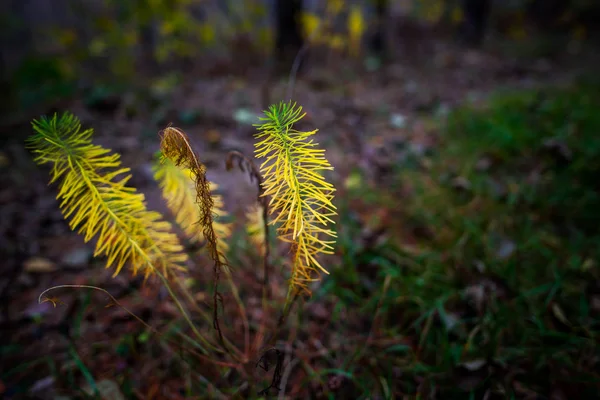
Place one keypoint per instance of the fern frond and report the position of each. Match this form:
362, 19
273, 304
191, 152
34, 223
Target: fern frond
95, 199
301, 198
255, 227
177, 185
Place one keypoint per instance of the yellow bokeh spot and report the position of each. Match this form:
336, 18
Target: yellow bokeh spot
356, 28
457, 15
97, 47
265, 38
334, 7
337, 42
433, 10
167, 28
207, 34
131, 38
310, 23
67, 37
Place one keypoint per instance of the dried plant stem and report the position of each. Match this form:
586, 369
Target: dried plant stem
184, 313
176, 146
297, 61
241, 307
269, 343
263, 200
42, 299
117, 303
245, 164
287, 372
233, 350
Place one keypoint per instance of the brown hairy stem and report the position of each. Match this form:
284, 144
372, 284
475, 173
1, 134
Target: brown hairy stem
176, 146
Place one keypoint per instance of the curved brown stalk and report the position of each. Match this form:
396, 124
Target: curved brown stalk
245, 164
175, 145
42, 299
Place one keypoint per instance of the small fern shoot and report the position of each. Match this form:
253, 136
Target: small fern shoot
301, 199
94, 197
178, 189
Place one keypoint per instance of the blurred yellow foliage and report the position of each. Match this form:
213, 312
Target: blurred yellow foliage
207, 34
431, 10
265, 38
97, 47
457, 16
334, 7
310, 24
255, 227
66, 37
336, 42
356, 29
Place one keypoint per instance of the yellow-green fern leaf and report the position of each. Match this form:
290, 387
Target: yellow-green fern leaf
95, 199
179, 190
301, 198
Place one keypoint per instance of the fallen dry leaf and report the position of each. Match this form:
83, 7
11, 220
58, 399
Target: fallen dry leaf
39, 265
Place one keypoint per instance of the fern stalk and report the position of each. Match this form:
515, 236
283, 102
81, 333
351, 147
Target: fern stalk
259, 232
95, 199
301, 198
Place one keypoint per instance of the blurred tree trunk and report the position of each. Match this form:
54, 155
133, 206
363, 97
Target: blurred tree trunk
378, 41
16, 42
288, 35
545, 14
474, 26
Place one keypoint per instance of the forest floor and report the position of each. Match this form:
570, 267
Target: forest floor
371, 121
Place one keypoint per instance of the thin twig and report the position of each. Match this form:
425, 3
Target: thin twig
42, 299
302, 51
149, 327
298, 59
208, 318
286, 375
294, 70
242, 309
276, 380
263, 200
